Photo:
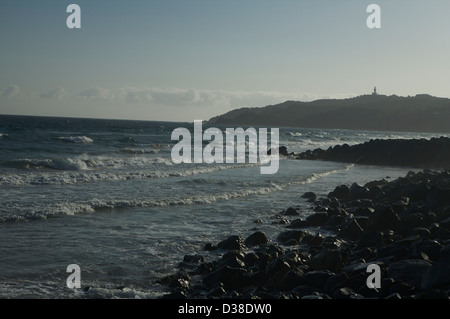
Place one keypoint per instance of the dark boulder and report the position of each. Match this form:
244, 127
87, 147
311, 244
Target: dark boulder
409, 271
438, 274
433, 294
282, 150
193, 259
346, 293
316, 278
256, 239
385, 218
351, 230
326, 259
298, 223
291, 212
288, 235
291, 279
310, 196
358, 192
317, 219
231, 243
229, 277
341, 192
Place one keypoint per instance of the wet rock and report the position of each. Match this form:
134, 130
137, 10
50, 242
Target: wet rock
370, 239
394, 296
295, 235
310, 196
312, 240
317, 219
358, 192
432, 294
438, 274
193, 259
410, 271
231, 243
422, 232
291, 279
233, 258
346, 293
401, 288
337, 281
291, 212
176, 294
298, 223
398, 252
256, 239
331, 260
364, 211
341, 192
431, 248
227, 276
351, 230
282, 150
277, 265
251, 259
302, 291
335, 220
443, 214
385, 218
316, 278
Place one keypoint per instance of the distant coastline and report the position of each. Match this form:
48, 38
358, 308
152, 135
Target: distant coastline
421, 113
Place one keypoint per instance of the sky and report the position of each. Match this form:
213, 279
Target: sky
185, 60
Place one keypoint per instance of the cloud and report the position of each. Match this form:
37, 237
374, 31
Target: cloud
95, 94
56, 93
210, 98
179, 97
10, 91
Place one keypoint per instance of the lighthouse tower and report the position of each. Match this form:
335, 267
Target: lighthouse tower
375, 91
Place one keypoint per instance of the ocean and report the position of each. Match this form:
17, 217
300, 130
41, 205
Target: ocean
106, 195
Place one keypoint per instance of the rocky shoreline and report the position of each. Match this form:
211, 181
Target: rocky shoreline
402, 226
418, 153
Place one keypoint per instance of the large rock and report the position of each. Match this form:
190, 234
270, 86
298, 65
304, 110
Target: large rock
358, 192
229, 277
316, 278
291, 279
341, 192
438, 275
310, 196
291, 235
351, 230
385, 218
256, 239
409, 271
326, 259
231, 243
317, 219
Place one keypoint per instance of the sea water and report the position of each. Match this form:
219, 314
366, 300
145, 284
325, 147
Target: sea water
105, 195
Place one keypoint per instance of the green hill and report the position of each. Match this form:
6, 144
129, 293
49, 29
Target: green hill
421, 113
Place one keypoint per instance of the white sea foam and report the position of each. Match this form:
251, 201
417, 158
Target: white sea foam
76, 139
295, 134
16, 211
87, 171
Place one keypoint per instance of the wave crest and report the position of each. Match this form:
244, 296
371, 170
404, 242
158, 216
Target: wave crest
76, 139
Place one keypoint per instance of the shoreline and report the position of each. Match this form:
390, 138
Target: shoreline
401, 226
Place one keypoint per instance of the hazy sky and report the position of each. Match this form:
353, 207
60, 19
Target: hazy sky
180, 60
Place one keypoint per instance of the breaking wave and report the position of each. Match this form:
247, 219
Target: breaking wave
76, 139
